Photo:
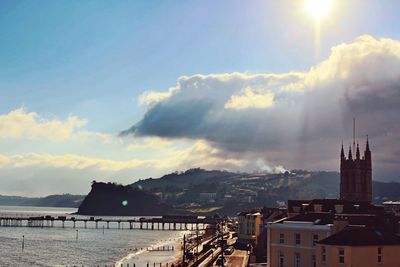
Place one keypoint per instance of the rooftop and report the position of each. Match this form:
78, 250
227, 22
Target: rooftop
361, 236
329, 205
317, 218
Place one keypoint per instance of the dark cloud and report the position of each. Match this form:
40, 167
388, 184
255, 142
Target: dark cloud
311, 112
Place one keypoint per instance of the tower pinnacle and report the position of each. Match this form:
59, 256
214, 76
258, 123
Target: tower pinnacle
358, 152
342, 152
350, 154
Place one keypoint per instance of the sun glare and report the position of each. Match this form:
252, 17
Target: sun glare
318, 8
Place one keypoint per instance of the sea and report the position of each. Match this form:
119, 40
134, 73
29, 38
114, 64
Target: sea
68, 246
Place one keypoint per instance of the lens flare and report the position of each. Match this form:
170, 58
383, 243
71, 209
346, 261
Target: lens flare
124, 203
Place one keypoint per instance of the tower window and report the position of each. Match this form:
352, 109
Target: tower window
281, 238
297, 259
297, 239
281, 259
323, 254
379, 254
341, 255
315, 239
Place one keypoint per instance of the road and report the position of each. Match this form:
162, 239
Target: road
237, 259
210, 258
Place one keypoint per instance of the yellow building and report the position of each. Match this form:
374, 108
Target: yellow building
249, 227
359, 247
292, 241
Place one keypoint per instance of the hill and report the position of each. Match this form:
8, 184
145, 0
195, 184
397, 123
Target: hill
118, 200
183, 180
203, 191
64, 200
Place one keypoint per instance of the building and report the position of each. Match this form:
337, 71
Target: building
209, 197
337, 206
356, 175
392, 206
292, 241
268, 215
359, 247
249, 227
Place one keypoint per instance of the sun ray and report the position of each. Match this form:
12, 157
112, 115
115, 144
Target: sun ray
318, 9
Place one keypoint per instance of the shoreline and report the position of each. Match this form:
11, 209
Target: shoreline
145, 255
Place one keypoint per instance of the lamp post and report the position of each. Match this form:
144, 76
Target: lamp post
184, 250
222, 245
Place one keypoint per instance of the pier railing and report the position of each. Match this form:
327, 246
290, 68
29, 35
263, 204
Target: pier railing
178, 223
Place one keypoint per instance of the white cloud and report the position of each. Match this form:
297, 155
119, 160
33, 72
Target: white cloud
365, 61
43, 174
67, 161
250, 98
22, 124
150, 97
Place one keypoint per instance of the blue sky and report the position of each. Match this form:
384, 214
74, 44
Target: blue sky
94, 59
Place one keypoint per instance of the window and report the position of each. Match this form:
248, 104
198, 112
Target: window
297, 239
281, 259
297, 260
314, 261
281, 238
315, 239
379, 254
323, 254
341, 255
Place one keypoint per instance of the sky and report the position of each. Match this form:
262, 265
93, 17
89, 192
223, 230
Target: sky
121, 91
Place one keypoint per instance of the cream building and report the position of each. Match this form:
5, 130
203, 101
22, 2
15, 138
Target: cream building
293, 240
249, 227
359, 247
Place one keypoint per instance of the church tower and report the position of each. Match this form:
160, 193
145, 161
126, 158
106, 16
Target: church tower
356, 175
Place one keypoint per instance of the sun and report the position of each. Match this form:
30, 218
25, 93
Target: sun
318, 8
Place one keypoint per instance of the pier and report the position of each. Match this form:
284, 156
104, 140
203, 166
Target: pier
176, 223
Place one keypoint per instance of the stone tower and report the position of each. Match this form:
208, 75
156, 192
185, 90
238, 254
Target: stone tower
356, 175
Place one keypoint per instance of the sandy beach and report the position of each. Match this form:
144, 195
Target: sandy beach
144, 256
